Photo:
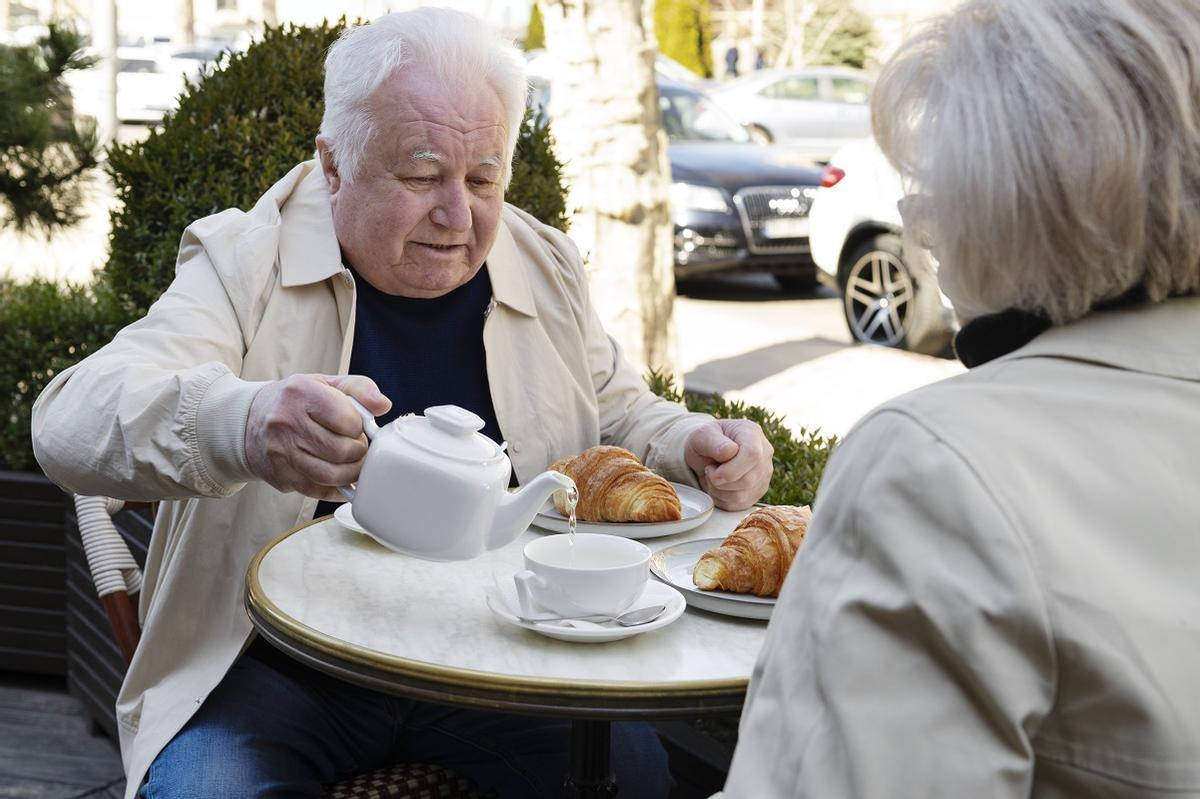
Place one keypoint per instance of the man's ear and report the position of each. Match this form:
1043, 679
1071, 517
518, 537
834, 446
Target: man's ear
325, 153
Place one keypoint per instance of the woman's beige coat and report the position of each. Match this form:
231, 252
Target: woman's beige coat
999, 595
160, 413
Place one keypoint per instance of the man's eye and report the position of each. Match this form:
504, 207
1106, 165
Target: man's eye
421, 180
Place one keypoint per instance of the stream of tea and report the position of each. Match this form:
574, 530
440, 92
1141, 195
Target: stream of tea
572, 501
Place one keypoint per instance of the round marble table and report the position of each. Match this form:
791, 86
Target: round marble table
338, 601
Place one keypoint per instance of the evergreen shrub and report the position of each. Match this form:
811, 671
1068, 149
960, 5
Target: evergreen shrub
799, 459
45, 153
44, 328
684, 32
535, 33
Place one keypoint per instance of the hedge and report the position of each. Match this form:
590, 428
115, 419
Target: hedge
799, 459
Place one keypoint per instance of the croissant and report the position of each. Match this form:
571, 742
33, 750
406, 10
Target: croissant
614, 486
756, 556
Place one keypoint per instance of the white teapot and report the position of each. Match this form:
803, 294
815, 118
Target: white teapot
433, 486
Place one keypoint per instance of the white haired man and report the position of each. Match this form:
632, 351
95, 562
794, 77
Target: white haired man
997, 596
391, 271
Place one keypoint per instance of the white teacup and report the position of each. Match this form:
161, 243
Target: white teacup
597, 574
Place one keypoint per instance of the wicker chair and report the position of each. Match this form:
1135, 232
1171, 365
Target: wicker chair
118, 580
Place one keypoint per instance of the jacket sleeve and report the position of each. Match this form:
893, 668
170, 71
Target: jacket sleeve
910, 653
159, 412
631, 416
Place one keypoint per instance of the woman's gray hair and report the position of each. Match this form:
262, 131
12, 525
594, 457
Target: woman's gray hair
1054, 148
457, 47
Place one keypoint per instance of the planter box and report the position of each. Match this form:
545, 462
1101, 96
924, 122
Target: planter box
95, 667
32, 574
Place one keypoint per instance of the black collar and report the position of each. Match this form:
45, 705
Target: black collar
986, 338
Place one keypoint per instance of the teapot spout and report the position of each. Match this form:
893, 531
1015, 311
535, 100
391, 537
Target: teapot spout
517, 509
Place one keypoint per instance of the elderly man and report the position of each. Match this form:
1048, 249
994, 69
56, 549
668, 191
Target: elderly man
391, 271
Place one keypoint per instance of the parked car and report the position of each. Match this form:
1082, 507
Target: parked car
857, 244
738, 206
815, 109
147, 85
149, 81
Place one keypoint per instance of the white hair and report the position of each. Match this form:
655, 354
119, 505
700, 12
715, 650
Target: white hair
1054, 146
455, 46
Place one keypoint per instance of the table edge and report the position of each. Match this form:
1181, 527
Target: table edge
262, 611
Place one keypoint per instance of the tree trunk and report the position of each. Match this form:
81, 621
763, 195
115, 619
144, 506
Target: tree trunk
604, 107
185, 22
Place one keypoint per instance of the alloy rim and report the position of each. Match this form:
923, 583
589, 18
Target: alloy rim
879, 295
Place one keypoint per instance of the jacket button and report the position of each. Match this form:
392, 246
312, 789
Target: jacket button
516, 447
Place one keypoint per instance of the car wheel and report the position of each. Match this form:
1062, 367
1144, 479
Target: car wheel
759, 134
886, 304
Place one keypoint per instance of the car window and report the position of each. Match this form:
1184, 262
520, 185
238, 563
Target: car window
848, 90
137, 65
792, 89
694, 117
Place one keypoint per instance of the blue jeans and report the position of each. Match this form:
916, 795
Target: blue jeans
275, 728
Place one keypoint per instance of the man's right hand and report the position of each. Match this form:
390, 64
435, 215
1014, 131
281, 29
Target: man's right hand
303, 435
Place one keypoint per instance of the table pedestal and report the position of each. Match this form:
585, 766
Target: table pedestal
591, 775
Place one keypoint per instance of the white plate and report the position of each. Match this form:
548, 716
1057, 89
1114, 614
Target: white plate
502, 601
696, 507
674, 565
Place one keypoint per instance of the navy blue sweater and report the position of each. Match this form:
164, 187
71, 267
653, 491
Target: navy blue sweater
425, 352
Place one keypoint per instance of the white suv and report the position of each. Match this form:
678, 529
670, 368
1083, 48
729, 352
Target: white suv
856, 243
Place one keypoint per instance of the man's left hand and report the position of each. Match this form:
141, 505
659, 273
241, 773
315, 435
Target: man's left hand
732, 459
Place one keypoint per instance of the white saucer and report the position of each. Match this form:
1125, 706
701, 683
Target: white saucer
345, 517
502, 601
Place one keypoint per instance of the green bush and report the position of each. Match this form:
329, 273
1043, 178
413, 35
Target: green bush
799, 458
537, 185
684, 32
44, 328
45, 154
535, 34
235, 133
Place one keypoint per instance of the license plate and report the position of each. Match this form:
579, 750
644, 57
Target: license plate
785, 228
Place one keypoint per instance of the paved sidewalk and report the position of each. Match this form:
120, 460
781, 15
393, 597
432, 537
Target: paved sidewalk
790, 354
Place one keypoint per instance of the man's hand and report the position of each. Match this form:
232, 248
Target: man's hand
732, 459
302, 434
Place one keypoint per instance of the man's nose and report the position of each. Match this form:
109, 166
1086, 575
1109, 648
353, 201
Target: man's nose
453, 210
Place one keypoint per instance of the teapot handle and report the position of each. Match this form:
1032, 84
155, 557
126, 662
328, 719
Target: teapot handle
370, 428
368, 420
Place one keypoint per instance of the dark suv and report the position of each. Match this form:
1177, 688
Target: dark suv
737, 205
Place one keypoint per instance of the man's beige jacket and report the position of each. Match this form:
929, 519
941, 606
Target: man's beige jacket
999, 594
160, 414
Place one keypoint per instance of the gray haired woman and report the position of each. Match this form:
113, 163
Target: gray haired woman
999, 595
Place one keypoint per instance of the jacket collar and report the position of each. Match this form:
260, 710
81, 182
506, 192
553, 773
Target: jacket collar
507, 270
308, 247
1159, 338
309, 251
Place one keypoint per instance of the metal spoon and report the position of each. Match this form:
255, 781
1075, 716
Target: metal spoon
630, 618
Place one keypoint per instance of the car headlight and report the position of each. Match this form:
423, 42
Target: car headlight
698, 198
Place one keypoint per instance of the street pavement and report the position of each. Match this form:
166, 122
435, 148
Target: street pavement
791, 353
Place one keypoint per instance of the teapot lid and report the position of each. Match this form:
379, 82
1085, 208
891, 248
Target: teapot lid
450, 431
